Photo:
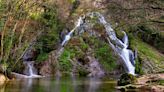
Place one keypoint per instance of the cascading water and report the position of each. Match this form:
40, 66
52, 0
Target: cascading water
119, 46
30, 66
127, 56
30, 70
68, 36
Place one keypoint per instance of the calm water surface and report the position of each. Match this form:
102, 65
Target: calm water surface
60, 85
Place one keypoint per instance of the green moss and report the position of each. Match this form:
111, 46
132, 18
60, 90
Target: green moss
83, 72
138, 66
160, 82
126, 79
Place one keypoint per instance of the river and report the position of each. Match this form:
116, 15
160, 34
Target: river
60, 85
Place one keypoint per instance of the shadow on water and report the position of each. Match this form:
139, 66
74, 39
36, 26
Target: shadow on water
58, 84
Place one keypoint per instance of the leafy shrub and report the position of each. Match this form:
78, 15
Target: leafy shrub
64, 61
50, 35
42, 57
104, 54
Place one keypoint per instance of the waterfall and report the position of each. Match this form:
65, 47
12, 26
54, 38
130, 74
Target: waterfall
119, 46
30, 70
68, 36
31, 73
128, 56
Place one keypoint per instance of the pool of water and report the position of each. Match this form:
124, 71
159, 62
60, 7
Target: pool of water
60, 85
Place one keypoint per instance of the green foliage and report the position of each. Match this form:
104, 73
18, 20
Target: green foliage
99, 48
42, 57
35, 16
84, 46
75, 4
3, 67
138, 66
29, 16
12, 45
145, 52
47, 41
78, 49
64, 61
71, 1
160, 82
149, 35
50, 35
104, 54
83, 72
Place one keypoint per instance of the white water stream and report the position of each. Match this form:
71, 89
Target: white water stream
121, 47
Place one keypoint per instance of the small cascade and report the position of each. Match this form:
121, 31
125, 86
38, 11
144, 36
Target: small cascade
119, 46
68, 36
30, 69
128, 55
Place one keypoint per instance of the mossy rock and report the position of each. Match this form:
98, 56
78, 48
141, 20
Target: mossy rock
126, 79
83, 72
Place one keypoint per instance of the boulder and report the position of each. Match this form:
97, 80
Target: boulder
94, 67
3, 79
126, 79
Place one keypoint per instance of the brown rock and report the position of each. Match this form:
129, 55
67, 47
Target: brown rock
2, 79
150, 77
46, 70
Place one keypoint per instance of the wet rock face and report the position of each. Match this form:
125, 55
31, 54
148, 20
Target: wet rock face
94, 68
46, 70
30, 55
126, 79
51, 66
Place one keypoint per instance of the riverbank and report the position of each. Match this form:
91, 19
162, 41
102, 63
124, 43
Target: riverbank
3, 79
146, 83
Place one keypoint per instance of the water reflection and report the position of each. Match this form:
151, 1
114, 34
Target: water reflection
57, 84
2, 88
94, 84
71, 84
28, 85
